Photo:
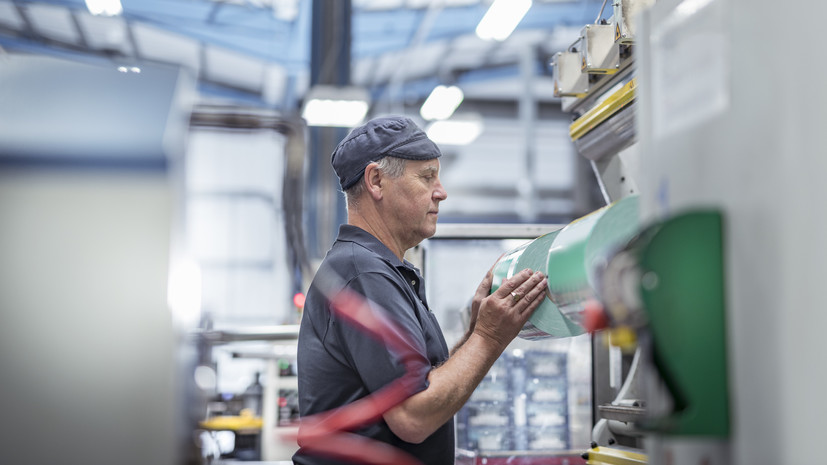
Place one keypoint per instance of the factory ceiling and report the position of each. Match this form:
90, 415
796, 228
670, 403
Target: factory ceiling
257, 52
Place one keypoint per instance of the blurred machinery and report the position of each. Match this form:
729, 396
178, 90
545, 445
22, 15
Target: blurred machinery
253, 425
655, 295
92, 320
705, 317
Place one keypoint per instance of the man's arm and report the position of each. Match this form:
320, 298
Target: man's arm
499, 320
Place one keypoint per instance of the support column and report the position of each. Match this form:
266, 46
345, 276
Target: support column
329, 65
527, 189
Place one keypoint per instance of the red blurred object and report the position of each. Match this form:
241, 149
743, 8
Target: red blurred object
298, 300
594, 316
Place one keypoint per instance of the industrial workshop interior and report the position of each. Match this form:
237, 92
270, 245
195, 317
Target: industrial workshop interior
166, 196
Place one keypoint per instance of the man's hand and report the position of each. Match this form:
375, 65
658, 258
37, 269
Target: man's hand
501, 315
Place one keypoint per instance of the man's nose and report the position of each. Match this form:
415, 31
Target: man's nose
440, 193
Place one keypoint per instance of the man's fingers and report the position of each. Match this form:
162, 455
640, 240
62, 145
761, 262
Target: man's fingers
513, 283
520, 284
488, 279
529, 295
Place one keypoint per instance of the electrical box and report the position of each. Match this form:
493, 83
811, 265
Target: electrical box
599, 54
569, 79
625, 15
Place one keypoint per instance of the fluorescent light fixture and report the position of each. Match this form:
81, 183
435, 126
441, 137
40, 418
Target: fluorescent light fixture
457, 131
104, 7
339, 113
502, 18
335, 106
441, 103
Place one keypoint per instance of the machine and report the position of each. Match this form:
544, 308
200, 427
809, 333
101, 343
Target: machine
711, 305
92, 329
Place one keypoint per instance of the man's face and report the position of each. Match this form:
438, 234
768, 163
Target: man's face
413, 201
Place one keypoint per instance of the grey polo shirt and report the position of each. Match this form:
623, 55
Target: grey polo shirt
339, 363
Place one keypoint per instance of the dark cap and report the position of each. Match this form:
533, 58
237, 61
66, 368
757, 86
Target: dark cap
395, 136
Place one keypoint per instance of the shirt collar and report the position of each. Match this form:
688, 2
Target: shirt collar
350, 233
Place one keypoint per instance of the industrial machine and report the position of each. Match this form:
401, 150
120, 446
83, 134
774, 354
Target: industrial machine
93, 353
708, 312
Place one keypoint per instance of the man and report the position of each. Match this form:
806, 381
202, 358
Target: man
389, 172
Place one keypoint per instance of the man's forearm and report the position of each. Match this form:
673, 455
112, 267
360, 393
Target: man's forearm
450, 386
462, 341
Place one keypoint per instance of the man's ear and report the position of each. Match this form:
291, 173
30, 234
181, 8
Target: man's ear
373, 181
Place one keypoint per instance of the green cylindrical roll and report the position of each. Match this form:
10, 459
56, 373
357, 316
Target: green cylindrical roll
546, 321
504, 268
569, 257
580, 248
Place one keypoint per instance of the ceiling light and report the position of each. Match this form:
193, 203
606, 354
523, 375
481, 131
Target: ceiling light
104, 7
129, 69
457, 131
335, 106
441, 103
502, 18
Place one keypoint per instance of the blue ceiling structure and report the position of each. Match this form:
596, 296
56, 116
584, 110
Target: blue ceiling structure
272, 37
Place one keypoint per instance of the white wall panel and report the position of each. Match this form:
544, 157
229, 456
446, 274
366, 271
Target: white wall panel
236, 161
235, 225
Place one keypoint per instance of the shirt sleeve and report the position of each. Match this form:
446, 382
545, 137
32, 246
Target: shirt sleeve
375, 362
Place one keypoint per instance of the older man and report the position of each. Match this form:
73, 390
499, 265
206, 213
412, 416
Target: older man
389, 172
